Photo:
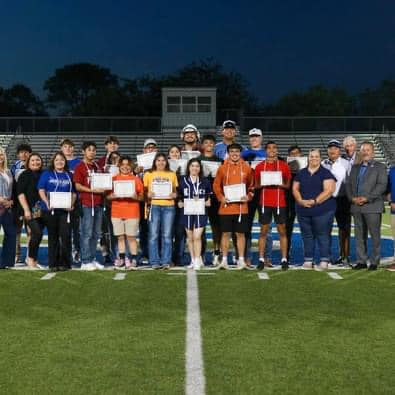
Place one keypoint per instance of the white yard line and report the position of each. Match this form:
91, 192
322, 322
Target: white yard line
195, 380
335, 276
119, 276
48, 276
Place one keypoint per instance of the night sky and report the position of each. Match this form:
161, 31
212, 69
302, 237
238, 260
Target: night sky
278, 46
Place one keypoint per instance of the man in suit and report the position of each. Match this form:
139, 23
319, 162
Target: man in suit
365, 188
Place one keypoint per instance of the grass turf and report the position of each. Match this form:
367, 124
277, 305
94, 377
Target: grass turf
298, 333
84, 333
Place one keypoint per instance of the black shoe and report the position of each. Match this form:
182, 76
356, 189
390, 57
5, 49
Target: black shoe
372, 267
261, 265
107, 260
360, 266
284, 265
63, 268
53, 269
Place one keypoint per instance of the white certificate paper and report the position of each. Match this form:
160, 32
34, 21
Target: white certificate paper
210, 168
235, 192
178, 164
101, 181
124, 188
60, 200
161, 190
271, 178
297, 163
188, 155
146, 160
194, 207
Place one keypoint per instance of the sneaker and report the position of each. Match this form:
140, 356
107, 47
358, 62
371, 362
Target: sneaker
76, 257
324, 265
234, 260
268, 264
107, 260
241, 265
215, 260
191, 265
261, 264
128, 264
284, 264
391, 268
307, 265
119, 263
223, 265
88, 266
133, 264
144, 261
166, 266
98, 265
155, 267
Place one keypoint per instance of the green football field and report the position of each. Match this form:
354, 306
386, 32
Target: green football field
298, 332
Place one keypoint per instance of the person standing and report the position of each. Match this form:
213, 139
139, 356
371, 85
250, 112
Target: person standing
313, 190
190, 137
92, 207
228, 135
57, 179
273, 203
112, 145
365, 188
234, 214
338, 166
6, 214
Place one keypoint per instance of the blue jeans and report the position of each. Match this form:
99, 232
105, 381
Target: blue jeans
160, 225
316, 228
9, 241
90, 232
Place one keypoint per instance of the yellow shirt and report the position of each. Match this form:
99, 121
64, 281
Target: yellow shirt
161, 176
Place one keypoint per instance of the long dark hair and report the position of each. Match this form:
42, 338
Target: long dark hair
191, 161
159, 155
34, 154
52, 161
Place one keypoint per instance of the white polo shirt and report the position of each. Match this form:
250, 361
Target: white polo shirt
339, 169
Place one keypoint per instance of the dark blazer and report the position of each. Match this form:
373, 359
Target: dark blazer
373, 188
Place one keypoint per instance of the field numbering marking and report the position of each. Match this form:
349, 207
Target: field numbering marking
195, 380
335, 276
48, 276
263, 276
119, 276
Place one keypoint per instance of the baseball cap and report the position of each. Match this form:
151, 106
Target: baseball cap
150, 141
229, 124
334, 143
255, 132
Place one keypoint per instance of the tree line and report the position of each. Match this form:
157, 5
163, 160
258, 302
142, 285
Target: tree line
85, 89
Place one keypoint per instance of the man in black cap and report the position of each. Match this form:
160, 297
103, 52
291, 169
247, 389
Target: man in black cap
228, 135
339, 166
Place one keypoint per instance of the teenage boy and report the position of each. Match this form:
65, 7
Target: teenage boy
234, 214
208, 155
111, 144
67, 147
23, 151
92, 206
273, 203
150, 145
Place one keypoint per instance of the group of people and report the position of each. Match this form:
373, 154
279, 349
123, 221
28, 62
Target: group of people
163, 201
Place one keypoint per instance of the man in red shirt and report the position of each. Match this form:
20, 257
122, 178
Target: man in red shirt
272, 200
92, 206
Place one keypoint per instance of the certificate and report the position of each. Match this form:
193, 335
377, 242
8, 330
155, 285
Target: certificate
60, 200
178, 164
210, 168
188, 155
235, 192
124, 188
146, 160
161, 190
254, 163
101, 181
296, 163
112, 169
194, 207
271, 178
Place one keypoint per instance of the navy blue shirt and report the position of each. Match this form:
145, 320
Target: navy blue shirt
310, 186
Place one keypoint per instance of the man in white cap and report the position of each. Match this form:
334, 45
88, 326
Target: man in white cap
190, 136
339, 166
150, 145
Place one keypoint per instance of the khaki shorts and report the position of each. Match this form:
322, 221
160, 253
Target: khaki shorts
128, 227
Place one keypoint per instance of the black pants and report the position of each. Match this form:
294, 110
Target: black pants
143, 231
36, 226
59, 239
291, 215
75, 217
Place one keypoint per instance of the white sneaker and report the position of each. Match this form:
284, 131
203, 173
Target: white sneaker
307, 265
241, 265
324, 265
90, 267
215, 260
98, 265
223, 265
